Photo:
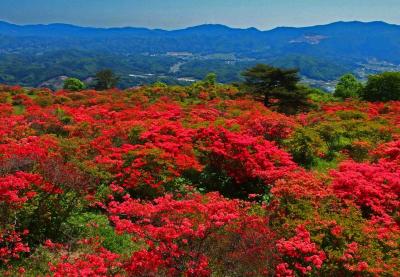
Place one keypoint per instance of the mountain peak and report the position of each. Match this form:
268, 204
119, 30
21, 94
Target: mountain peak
208, 27
7, 24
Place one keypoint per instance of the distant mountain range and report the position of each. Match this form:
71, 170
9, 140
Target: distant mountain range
33, 54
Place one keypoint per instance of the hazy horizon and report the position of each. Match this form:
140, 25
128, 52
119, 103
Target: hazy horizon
189, 26
178, 14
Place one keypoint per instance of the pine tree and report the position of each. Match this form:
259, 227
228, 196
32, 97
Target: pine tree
278, 87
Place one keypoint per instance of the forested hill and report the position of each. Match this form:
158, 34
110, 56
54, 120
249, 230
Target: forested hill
42, 52
375, 39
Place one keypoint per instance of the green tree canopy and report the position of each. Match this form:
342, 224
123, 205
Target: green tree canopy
279, 87
210, 79
159, 84
382, 87
74, 84
106, 79
348, 87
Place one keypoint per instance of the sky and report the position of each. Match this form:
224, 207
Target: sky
175, 14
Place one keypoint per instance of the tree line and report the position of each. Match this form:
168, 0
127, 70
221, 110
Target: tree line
281, 88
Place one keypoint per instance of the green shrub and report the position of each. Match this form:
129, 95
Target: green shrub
92, 225
348, 87
306, 145
74, 84
343, 133
382, 87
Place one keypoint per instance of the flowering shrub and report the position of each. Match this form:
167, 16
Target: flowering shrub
389, 152
300, 184
11, 245
16, 189
303, 255
181, 233
252, 163
101, 263
374, 187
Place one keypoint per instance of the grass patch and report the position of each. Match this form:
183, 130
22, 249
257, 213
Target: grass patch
19, 109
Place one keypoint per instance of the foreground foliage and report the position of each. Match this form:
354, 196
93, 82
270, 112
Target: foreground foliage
195, 181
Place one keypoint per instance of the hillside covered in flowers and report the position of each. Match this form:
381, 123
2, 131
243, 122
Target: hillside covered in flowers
196, 181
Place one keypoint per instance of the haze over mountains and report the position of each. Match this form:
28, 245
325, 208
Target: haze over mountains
33, 54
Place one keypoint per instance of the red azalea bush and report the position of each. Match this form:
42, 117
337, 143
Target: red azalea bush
244, 157
303, 255
193, 235
249, 164
374, 187
390, 151
11, 244
101, 263
300, 184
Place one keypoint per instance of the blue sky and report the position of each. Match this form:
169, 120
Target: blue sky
173, 14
